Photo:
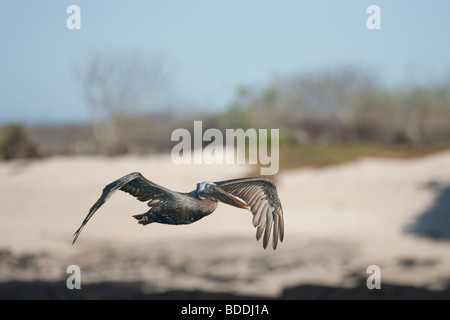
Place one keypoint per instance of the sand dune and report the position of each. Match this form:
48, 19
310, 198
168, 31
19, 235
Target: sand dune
338, 220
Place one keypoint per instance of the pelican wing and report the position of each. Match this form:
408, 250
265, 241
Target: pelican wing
134, 184
261, 195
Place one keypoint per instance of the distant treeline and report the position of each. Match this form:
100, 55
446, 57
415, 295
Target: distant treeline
334, 107
348, 105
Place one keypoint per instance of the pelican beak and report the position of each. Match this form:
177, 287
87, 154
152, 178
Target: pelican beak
228, 198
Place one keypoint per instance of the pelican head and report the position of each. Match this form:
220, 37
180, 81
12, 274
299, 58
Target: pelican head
204, 189
210, 190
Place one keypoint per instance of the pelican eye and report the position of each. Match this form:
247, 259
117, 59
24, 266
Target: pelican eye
203, 186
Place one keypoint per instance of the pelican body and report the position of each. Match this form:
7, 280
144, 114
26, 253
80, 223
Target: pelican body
258, 195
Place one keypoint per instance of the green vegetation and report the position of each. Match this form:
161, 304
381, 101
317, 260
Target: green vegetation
324, 118
15, 143
318, 156
347, 105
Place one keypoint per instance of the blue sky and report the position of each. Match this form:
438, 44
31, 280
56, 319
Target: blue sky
214, 46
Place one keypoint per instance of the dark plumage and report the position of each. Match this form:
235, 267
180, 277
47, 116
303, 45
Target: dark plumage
259, 195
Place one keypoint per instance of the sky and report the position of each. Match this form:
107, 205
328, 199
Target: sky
212, 46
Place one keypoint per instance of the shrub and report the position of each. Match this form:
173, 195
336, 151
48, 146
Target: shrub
15, 143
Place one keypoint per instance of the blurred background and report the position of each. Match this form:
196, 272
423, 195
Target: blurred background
364, 120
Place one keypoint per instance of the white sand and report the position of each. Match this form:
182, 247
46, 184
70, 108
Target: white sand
338, 221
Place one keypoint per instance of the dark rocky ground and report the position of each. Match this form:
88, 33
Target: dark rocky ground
18, 290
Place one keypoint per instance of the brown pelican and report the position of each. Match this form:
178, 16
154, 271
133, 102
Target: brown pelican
258, 195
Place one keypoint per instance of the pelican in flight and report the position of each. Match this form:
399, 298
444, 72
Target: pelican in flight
258, 195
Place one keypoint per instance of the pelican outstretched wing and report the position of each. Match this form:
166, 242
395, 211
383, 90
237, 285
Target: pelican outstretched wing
134, 184
261, 195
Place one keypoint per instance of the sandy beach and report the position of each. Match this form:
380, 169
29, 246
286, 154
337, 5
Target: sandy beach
338, 221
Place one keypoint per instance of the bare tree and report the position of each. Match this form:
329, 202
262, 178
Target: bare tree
119, 86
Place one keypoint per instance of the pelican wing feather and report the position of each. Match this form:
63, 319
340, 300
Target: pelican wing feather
260, 193
134, 184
